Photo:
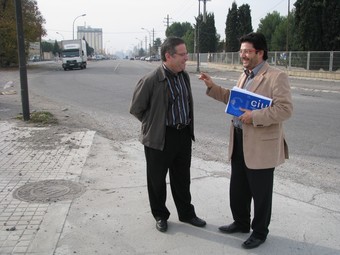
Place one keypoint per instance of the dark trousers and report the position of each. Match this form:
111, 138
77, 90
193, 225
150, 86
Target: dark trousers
247, 184
175, 158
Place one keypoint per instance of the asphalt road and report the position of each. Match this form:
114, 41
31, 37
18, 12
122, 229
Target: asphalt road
98, 98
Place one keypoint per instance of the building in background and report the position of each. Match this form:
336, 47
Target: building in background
93, 36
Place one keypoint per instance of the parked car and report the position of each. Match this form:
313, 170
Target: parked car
99, 57
153, 58
35, 58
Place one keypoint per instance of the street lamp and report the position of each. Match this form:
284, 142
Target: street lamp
149, 39
60, 35
105, 46
141, 42
74, 21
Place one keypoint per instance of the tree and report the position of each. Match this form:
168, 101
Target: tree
308, 17
157, 43
238, 23
189, 39
268, 25
183, 30
33, 29
331, 25
56, 49
318, 24
244, 19
279, 38
231, 32
141, 52
208, 39
46, 47
89, 49
178, 29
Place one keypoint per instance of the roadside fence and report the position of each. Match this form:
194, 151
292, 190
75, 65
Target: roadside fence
315, 64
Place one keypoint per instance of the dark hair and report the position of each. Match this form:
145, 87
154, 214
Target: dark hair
258, 40
169, 46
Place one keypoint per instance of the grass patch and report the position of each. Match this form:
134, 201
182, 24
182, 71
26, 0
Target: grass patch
42, 117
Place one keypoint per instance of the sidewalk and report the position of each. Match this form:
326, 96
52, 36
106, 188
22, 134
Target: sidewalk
75, 192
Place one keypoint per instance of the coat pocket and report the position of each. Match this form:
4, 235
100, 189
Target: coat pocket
270, 136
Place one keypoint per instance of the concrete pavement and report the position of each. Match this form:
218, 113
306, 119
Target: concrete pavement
111, 215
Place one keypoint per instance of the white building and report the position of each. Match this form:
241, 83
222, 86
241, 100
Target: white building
93, 36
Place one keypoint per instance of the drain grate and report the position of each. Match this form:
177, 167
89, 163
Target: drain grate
49, 191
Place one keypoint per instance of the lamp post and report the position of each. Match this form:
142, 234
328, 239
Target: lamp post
105, 49
74, 21
141, 42
60, 35
139, 50
149, 40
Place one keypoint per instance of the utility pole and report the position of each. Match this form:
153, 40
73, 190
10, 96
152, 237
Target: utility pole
167, 21
198, 38
198, 30
22, 61
204, 11
287, 37
149, 39
153, 38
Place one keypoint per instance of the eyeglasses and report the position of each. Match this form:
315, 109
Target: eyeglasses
247, 51
182, 54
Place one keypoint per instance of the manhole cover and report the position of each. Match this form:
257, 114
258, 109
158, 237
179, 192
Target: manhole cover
48, 191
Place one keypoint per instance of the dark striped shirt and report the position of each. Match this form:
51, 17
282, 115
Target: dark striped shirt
178, 108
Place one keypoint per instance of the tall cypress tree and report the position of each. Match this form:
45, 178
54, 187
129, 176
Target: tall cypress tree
238, 23
331, 25
231, 31
244, 19
208, 34
308, 20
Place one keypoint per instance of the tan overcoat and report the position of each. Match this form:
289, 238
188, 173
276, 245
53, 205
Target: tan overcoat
264, 143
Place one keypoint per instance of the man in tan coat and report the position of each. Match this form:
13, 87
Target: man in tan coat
257, 142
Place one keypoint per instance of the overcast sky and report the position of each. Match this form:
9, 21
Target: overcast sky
122, 20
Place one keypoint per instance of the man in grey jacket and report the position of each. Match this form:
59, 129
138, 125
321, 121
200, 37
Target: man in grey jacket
163, 102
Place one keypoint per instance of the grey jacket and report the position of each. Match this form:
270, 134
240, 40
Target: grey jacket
150, 105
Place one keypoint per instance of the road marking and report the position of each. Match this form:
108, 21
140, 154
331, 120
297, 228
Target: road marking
317, 90
116, 67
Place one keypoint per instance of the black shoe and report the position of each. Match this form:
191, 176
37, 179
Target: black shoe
233, 228
162, 225
252, 242
197, 222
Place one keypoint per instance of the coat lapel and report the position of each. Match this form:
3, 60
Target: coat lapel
242, 80
258, 78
